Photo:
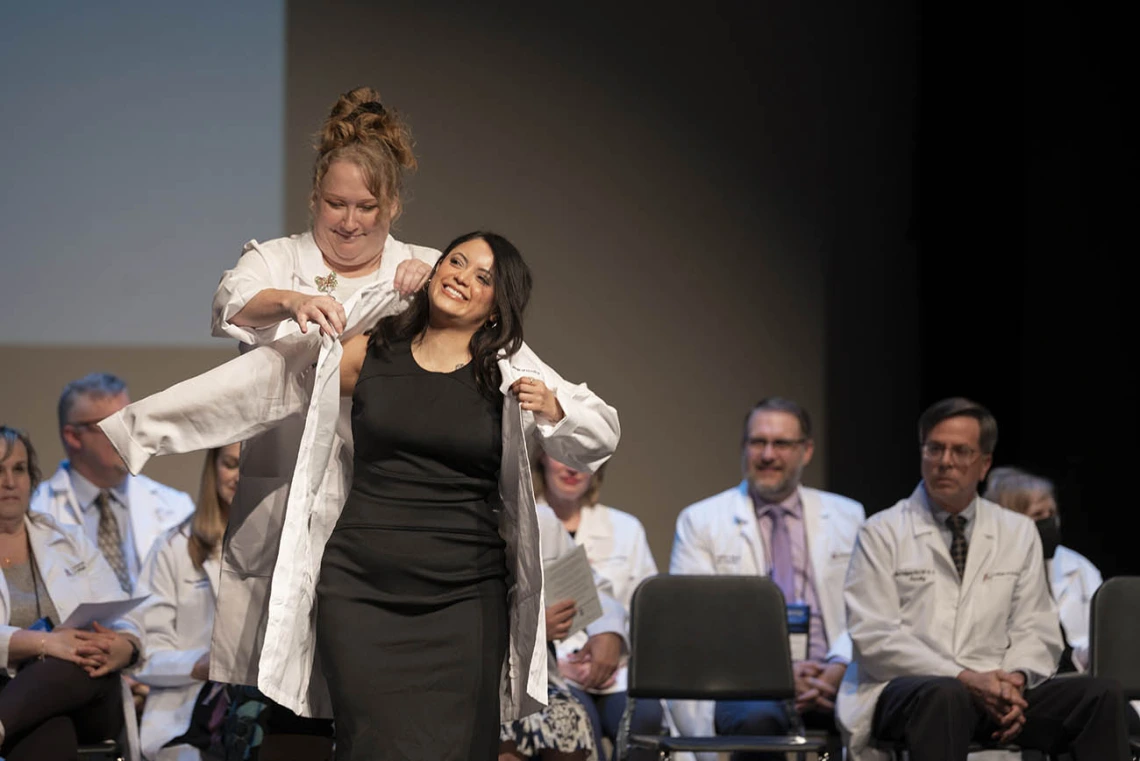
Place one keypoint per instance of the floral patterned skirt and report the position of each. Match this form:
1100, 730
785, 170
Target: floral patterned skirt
562, 726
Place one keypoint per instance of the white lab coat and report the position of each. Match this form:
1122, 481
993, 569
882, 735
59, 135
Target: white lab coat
555, 542
289, 264
177, 619
908, 615
619, 553
154, 508
73, 571
1074, 579
271, 625
269, 459
721, 536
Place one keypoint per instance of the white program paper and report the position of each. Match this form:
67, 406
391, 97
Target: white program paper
104, 612
570, 578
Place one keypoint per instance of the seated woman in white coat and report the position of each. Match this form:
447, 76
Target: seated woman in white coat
181, 576
426, 563
1072, 577
562, 731
618, 551
59, 687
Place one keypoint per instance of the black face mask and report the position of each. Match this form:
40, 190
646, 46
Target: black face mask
1050, 531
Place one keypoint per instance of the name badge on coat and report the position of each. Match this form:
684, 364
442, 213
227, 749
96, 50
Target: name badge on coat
799, 627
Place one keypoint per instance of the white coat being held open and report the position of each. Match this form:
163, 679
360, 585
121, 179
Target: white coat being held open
430, 589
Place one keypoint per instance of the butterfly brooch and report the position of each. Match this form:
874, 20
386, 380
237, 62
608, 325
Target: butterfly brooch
326, 285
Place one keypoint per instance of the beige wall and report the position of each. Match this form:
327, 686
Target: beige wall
669, 193
34, 376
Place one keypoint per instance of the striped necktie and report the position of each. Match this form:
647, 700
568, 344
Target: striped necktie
958, 546
111, 540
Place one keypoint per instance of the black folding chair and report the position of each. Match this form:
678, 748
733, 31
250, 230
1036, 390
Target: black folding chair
1112, 633
108, 750
711, 638
897, 751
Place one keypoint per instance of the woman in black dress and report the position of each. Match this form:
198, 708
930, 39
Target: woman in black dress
412, 598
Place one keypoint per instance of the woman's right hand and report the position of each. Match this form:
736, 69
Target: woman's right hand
68, 645
325, 311
559, 616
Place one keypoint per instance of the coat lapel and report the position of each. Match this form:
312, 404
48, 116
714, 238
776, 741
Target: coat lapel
60, 492
981, 546
148, 514
816, 518
56, 562
925, 531
744, 515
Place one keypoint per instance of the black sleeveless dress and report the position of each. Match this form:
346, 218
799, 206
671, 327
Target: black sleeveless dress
412, 615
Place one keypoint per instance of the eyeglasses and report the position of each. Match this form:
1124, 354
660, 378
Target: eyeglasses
780, 446
960, 454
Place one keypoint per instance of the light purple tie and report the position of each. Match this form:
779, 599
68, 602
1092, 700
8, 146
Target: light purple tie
783, 572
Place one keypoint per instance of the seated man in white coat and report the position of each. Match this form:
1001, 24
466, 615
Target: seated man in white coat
770, 524
122, 514
955, 635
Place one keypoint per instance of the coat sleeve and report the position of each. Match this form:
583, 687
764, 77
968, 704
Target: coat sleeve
167, 665
588, 435
231, 403
1034, 626
252, 274
692, 551
882, 648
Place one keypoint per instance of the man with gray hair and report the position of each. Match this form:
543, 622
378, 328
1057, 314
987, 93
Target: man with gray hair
123, 514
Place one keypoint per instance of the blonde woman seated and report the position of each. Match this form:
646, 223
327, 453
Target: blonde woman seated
618, 550
59, 687
181, 575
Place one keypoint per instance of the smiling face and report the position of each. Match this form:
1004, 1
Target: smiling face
462, 290
350, 225
775, 454
563, 483
15, 481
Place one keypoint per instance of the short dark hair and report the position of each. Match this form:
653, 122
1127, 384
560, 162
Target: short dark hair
958, 406
93, 384
778, 404
8, 438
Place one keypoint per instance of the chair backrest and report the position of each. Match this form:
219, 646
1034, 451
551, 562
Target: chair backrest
709, 638
1112, 627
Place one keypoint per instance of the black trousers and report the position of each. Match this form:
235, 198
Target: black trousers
936, 718
51, 706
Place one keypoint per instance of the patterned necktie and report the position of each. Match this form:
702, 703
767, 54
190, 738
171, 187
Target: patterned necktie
957, 524
111, 541
783, 572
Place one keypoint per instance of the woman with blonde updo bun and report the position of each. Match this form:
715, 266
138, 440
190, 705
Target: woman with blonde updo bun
364, 149
280, 289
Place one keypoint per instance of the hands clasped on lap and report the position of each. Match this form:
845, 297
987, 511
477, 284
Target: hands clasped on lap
99, 652
1000, 693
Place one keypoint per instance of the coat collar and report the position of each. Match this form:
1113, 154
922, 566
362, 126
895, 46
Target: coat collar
311, 264
594, 521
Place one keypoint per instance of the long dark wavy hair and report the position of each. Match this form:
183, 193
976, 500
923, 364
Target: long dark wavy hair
502, 335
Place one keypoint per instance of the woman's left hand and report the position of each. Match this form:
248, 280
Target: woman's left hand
411, 274
534, 395
116, 650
